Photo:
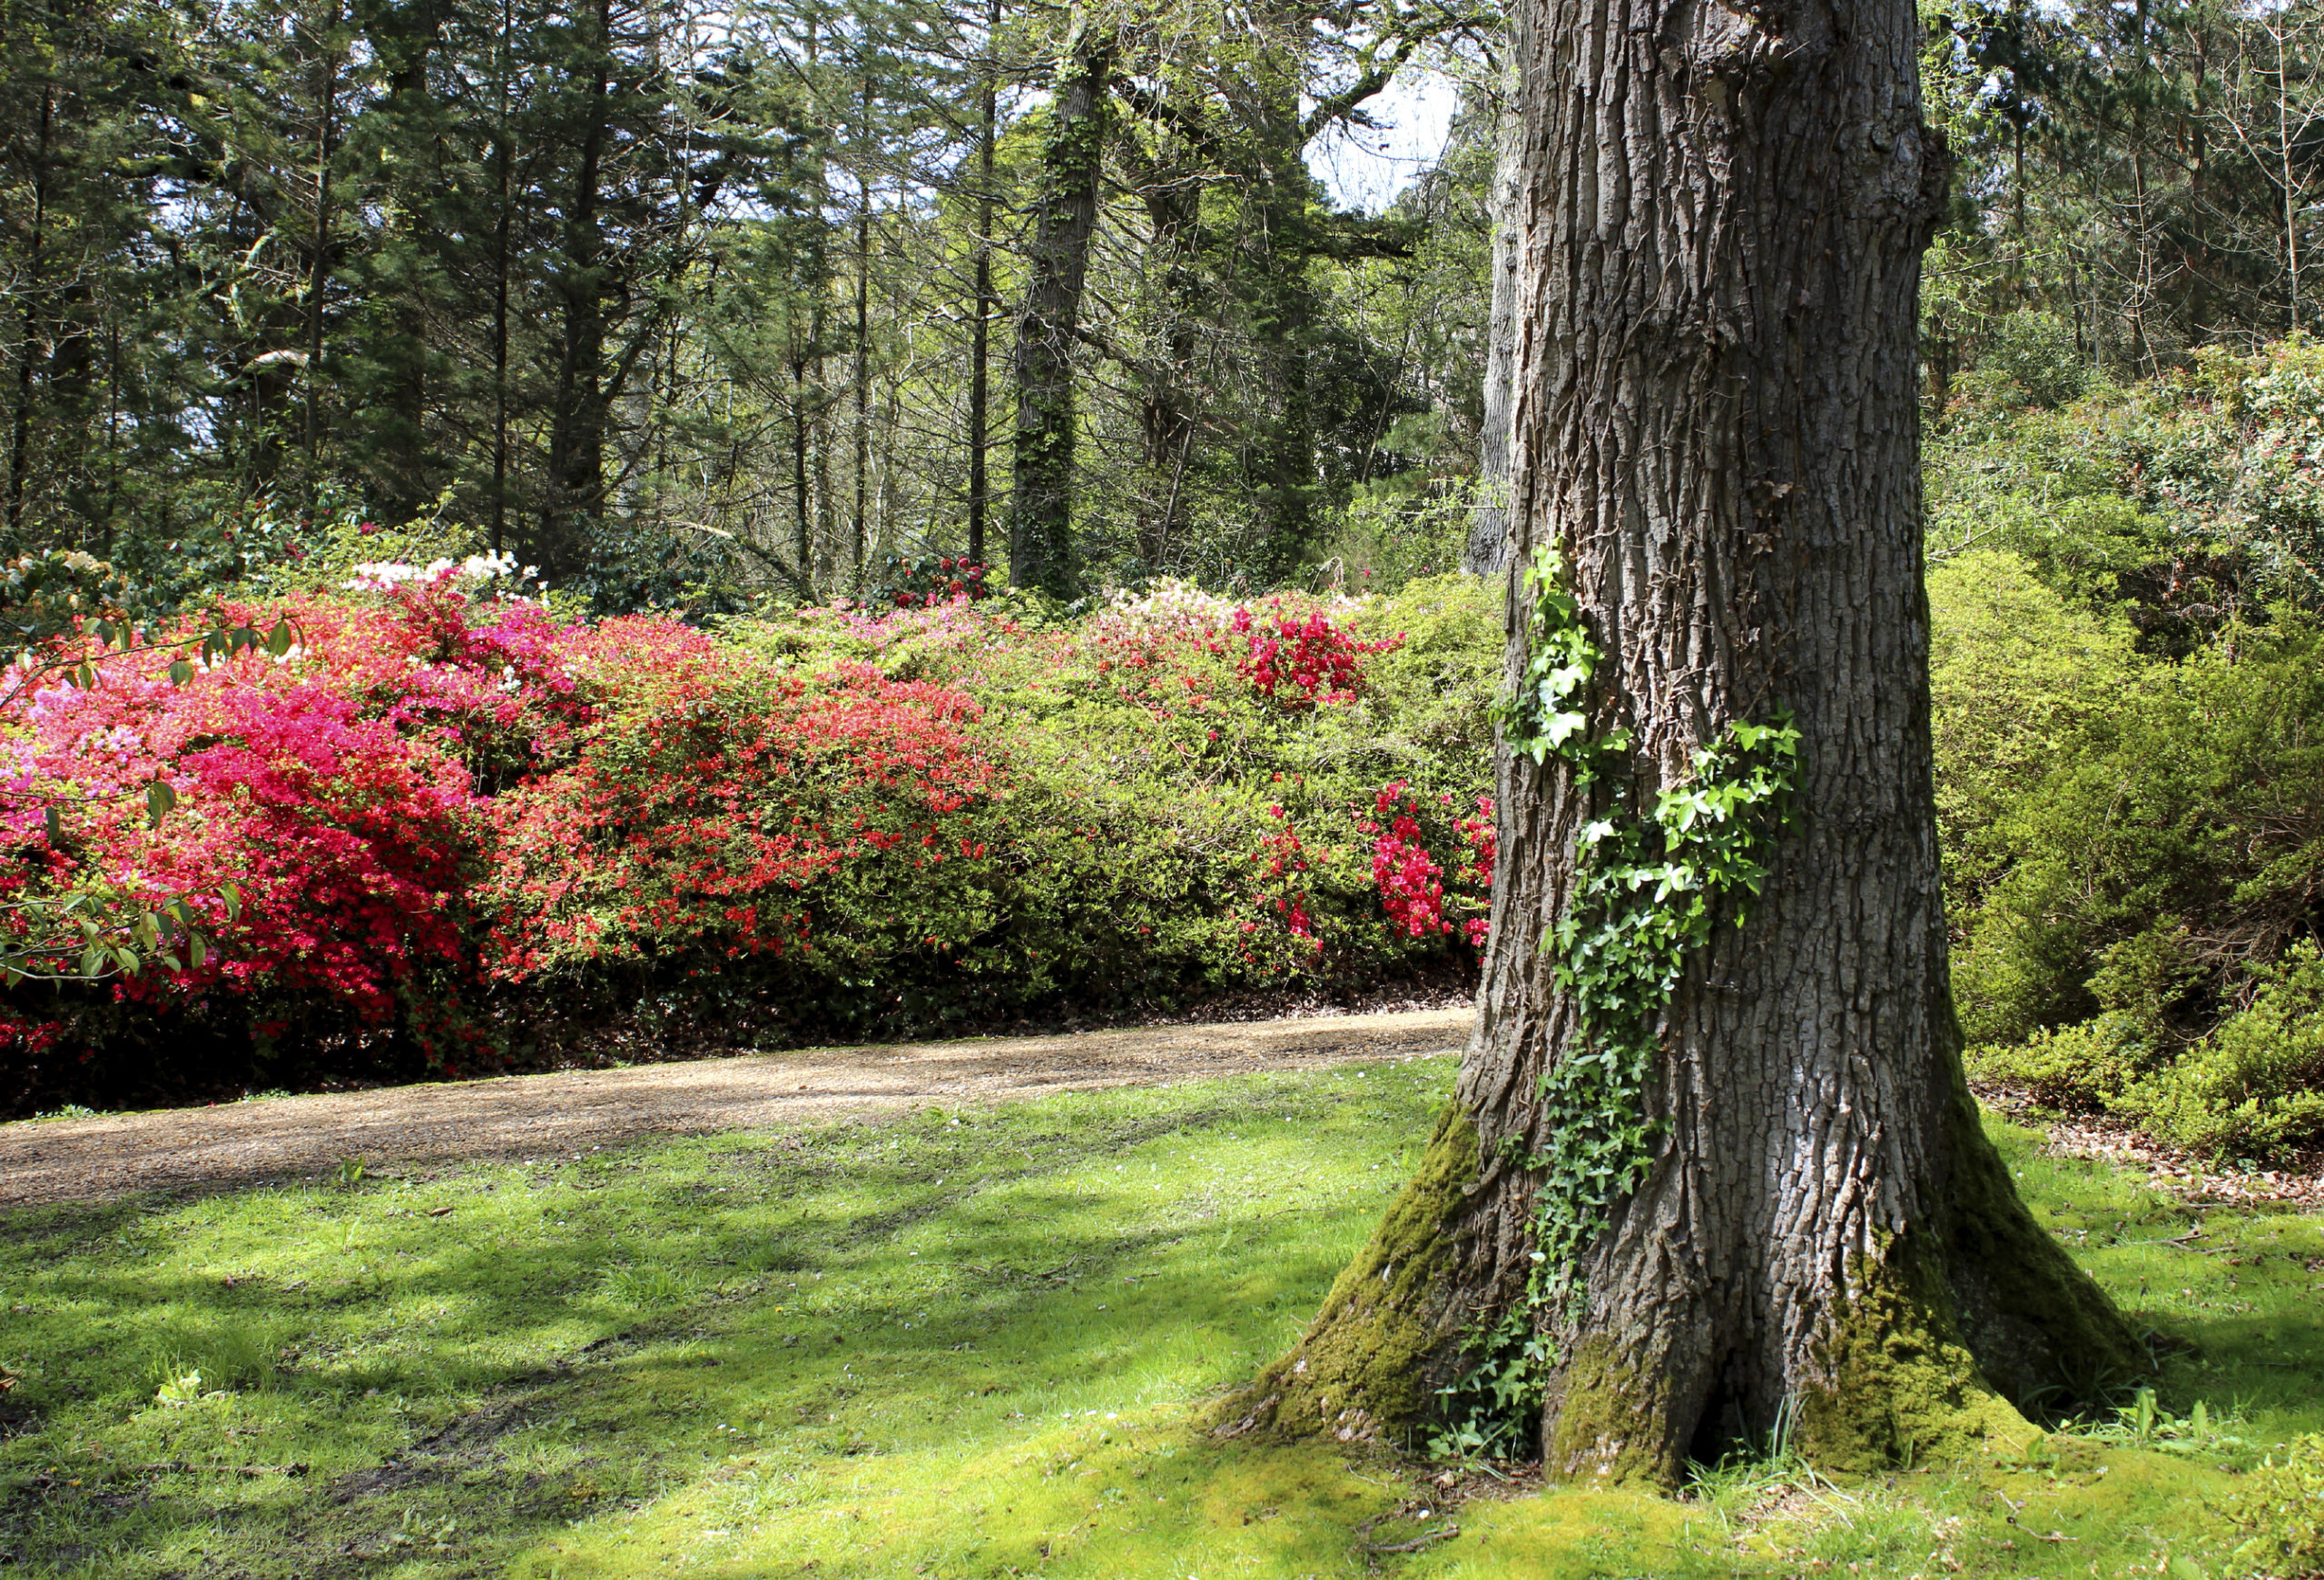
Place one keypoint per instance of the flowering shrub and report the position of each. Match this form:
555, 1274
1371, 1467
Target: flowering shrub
1298, 663
1411, 880
328, 794
732, 819
925, 581
460, 827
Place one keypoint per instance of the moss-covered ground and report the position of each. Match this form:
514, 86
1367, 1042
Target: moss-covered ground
963, 1344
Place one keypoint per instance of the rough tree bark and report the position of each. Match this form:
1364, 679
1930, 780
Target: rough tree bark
1487, 551
1724, 211
577, 445
1065, 215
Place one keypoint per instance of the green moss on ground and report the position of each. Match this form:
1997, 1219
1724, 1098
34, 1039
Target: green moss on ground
1360, 1371
924, 1348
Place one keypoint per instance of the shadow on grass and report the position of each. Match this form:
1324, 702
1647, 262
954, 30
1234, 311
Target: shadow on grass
952, 1345
468, 1365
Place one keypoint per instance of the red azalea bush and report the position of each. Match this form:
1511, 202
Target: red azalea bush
1412, 879
926, 581
460, 826
1296, 662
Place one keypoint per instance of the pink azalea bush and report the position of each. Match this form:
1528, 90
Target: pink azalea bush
457, 824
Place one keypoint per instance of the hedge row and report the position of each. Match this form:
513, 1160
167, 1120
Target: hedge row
462, 829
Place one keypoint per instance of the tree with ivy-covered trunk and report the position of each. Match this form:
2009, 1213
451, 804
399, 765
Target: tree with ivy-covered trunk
1711, 1169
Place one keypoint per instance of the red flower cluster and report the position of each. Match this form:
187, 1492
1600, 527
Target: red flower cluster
1298, 663
717, 819
1286, 859
928, 581
1410, 878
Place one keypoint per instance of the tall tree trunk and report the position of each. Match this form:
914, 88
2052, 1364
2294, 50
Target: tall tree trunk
1487, 551
20, 426
404, 38
577, 461
318, 263
1717, 429
503, 155
859, 529
980, 326
803, 494
1283, 242
1167, 414
1065, 215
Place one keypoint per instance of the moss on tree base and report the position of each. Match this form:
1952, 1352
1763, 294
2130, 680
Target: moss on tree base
1608, 1420
1363, 1370
1902, 1388
2044, 1334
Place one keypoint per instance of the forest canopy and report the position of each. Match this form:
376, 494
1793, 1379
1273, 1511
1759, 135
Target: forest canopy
687, 303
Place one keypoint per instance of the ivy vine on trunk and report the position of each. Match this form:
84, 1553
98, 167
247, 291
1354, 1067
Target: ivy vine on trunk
1711, 1162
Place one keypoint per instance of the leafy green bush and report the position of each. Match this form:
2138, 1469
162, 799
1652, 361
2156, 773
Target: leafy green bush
2183, 501
2136, 852
2255, 1084
2029, 357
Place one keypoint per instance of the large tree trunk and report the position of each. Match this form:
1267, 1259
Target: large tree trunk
1167, 412
1065, 216
1487, 551
1716, 428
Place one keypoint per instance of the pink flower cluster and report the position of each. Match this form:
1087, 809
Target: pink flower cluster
1411, 880
1298, 663
345, 788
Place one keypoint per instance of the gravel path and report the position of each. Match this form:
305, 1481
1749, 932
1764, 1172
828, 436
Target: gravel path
113, 1155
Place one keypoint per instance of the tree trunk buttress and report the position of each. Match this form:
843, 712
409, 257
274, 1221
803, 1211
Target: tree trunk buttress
1716, 428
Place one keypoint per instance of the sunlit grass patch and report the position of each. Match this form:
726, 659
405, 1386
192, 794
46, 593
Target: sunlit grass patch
961, 1344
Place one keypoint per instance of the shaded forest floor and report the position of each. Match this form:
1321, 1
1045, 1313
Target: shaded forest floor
968, 1342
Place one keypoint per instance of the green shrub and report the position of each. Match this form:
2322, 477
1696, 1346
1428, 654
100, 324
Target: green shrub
2020, 680
2067, 1067
2183, 501
2029, 357
2255, 1084
2133, 846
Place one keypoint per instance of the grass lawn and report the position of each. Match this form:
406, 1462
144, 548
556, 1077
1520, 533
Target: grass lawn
961, 1344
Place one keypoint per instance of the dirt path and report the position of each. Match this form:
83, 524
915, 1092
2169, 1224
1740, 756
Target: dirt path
244, 1143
